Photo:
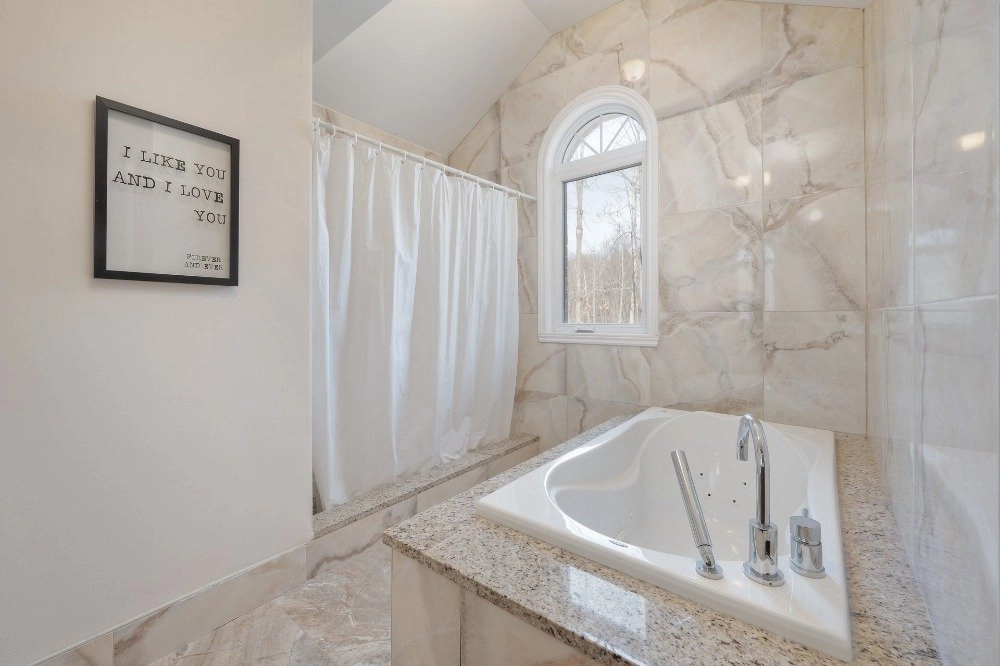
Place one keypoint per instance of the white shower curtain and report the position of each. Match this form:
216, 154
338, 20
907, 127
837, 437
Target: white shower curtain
415, 316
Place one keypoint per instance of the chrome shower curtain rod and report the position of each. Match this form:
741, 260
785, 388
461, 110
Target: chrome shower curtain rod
423, 160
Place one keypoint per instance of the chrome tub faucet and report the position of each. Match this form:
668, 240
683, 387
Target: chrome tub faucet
762, 563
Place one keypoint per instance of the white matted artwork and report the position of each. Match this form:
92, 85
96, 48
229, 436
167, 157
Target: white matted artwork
166, 199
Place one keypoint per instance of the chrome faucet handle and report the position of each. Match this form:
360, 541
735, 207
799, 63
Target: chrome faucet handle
805, 539
761, 565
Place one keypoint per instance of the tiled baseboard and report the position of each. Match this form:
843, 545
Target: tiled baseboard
337, 535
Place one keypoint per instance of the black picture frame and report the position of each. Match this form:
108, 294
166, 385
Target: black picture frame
101, 270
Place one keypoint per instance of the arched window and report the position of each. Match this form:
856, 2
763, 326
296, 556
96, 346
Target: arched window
597, 233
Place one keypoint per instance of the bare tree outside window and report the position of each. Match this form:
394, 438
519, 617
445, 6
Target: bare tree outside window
603, 250
603, 257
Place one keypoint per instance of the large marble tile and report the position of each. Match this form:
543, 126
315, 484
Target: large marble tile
897, 103
347, 542
154, 635
814, 252
98, 652
608, 68
708, 361
890, 244
523, 177
542, 414
584, 413
527, 274
710, 261
802, 41
956, 98
550, 58
873, 31
711, 158
706, 56
660, 11
901, 455
526, 113
956, 231
604, 31
876, 383
956, 351
957, 534
541, 366
493, 637
874, 73
934, 19
606, 372
814, 135
814, 369
426, 615
898, 22
479, 152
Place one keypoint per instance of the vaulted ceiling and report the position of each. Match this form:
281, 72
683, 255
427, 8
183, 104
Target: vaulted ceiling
427, 70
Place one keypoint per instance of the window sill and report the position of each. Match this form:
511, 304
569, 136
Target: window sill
618, 340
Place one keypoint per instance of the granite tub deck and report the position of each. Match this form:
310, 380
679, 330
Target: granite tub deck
612, 618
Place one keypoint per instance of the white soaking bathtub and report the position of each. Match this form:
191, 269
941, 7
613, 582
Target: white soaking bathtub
616, 500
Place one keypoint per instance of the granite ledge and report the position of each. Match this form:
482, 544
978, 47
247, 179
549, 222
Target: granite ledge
385, 496
614, 618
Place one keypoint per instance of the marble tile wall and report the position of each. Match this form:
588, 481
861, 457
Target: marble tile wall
933, 239
761, 226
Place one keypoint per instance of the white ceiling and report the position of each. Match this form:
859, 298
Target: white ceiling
428, 70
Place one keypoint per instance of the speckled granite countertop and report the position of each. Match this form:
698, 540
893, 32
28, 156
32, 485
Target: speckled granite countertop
614, 618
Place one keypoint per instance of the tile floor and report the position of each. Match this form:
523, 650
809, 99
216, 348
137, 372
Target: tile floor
339, 617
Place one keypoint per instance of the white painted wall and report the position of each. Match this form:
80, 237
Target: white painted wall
153, 438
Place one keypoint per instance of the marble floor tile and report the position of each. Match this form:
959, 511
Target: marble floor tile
711, 261
814, 252
340, 617
152, 635
803, 41
706, 56
814, 134
711, 158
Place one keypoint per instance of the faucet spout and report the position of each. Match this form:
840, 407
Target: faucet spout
751, 431
762, 563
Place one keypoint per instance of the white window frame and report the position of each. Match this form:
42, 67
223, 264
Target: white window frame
552, 174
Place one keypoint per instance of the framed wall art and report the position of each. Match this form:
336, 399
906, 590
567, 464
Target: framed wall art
166, 199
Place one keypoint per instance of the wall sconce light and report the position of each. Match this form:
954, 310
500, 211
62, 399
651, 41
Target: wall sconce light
633, 70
